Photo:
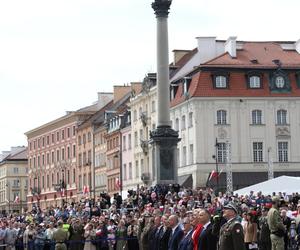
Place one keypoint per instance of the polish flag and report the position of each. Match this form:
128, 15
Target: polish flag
17, 199
63, 192
213, 175
86, 190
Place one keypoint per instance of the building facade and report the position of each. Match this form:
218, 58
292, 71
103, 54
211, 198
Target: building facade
238, 110
14, 181
52, 158
143, 108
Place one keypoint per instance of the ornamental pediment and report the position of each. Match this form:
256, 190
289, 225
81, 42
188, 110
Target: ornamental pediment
283, 131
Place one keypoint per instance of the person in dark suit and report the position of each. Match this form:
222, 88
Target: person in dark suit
155, 233
207, 240
186, 243
176, 234
164, 234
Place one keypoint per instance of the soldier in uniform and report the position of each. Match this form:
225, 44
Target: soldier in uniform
231, 233
60, 236
276, 226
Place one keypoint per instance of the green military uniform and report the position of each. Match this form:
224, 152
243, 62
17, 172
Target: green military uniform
60, 236
275, 225
232, 236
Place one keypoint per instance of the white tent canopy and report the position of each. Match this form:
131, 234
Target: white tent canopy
287, 184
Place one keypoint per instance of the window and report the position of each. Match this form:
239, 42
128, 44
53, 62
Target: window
52, 138
79, 140
125, 171
52, 157
57, 136
124, 142
190, 120
283, 151
184, 156
177, 124
137, 169
257, 151
57, 155
68, 152
74, 175
63, 134
84, 139
63, 153
135, 139
221, 152
130, 171
68, 132
254, 82
79, 159
74, 130
281, 117
43, 141
16, 170
191, 156
74, 150
153, 106
221, 82
16, 183
256, 117
129, 141
89, 136
141, 134
134, 115
183, 122
142, 166
279, 82
48, 139
48, 158
221, 117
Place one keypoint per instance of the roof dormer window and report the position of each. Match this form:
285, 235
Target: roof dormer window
279, 82
254, 82
221, 82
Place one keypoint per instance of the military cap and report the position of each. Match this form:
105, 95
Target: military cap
275, 199
231, 206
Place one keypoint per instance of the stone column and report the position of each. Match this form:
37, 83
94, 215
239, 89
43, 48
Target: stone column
164, 139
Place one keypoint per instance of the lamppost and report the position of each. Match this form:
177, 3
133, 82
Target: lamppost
63, 186
215, 156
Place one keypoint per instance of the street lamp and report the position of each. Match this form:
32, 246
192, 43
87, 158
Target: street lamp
215, 156
36, 191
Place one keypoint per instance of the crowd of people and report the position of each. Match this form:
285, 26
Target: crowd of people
159, 218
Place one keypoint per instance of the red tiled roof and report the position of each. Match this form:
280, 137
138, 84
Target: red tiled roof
263, 52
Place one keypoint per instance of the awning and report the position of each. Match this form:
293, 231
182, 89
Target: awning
186, 181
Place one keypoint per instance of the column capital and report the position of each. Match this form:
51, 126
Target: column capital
161, 7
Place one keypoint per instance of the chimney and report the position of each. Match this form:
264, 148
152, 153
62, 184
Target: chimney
297, 46
207, 48
120, 92
178, 54
104, 98
230, 46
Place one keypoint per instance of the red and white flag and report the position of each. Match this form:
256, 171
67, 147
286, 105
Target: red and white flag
63, 192
86, 190
118, 183
17, 199
213, 175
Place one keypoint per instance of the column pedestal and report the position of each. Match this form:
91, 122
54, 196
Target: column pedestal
164, 140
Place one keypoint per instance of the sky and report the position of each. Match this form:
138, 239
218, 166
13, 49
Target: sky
56, 55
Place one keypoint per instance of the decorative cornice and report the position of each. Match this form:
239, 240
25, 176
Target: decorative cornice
161, 7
